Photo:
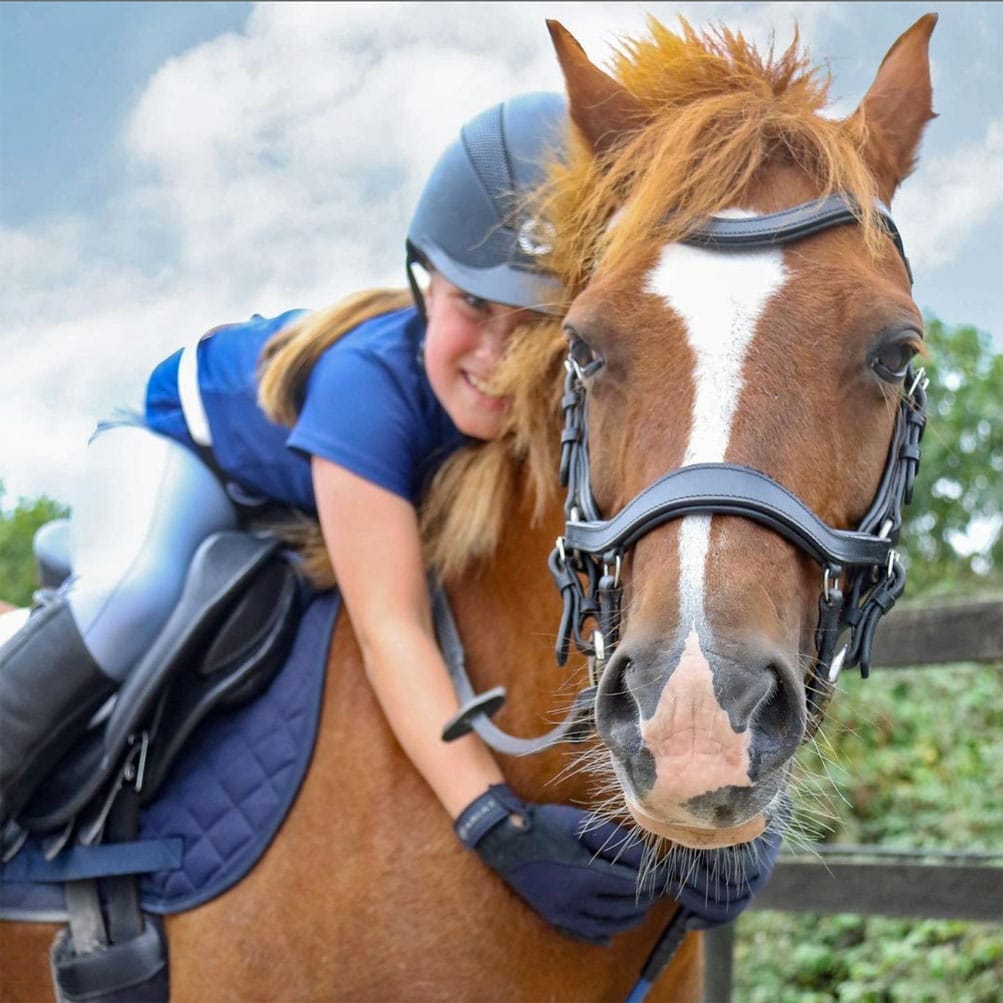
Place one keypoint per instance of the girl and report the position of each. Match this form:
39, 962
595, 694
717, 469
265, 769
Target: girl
378, 390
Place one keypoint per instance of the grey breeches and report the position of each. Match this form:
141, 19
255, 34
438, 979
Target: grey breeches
147, 505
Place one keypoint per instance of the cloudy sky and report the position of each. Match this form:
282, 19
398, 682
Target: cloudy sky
165, 167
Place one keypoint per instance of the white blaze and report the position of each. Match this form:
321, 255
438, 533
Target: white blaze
720, 297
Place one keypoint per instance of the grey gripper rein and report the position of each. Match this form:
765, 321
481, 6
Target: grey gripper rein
592, 548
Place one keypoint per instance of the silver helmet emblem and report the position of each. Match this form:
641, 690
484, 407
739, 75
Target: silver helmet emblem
536, 237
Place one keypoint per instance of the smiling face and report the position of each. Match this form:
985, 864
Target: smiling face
465, 339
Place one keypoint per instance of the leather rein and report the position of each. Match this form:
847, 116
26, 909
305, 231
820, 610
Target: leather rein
862, 575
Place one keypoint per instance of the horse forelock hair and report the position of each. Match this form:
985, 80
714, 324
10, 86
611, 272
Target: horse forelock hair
717, 113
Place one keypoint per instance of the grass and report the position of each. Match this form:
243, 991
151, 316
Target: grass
908, 759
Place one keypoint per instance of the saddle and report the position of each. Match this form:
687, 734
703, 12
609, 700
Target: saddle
226, 639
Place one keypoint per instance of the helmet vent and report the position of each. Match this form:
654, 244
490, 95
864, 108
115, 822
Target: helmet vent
485, 145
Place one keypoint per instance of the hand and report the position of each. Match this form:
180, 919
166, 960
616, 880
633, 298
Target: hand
713, 885
717, 885
570, 880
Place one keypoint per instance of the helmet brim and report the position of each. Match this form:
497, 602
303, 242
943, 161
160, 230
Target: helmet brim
507, 284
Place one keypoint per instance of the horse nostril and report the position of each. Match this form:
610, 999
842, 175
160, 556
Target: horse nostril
617, 713
778, 714
765, 710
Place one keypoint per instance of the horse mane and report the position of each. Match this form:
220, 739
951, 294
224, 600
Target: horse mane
718, 113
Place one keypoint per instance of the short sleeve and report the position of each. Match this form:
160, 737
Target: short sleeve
357, 415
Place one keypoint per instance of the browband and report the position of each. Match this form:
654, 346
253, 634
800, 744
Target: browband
796, 223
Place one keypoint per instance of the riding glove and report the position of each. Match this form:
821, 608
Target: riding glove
715, 885
588, 883
536, 848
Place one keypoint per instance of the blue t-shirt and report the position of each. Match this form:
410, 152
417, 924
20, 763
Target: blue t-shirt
368, 407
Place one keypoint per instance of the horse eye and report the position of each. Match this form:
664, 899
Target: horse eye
583, 357
891, 360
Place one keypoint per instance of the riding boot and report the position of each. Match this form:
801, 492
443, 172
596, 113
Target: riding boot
50, 687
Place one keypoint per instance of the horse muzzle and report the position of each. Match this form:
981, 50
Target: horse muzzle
700, 741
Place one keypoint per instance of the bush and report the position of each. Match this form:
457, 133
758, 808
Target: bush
18, 574
911, 759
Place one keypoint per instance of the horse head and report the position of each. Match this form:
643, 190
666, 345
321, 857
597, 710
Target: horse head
741, 316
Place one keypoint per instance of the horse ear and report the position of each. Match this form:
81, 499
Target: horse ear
897, 107
601, 108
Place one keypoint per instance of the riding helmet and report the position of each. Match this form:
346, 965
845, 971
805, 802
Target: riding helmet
469, 224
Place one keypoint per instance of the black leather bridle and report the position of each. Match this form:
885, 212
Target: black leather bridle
587, 559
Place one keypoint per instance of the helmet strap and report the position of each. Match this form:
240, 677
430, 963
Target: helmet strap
414, 258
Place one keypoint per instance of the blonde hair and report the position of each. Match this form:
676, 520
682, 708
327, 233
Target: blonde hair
462, 516
290, 354
283, 370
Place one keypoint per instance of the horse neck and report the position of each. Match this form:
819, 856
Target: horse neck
508, 611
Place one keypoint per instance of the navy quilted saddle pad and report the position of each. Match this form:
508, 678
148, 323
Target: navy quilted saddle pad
228, 794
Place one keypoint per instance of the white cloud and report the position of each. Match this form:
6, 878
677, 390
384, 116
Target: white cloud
277, 167
940, 209
271, 168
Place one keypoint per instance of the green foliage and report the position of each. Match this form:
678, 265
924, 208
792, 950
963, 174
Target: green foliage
959, 490
856, 959
18, 575
909, 759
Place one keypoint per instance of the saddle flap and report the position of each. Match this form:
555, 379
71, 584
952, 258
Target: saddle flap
220, 571
251, 646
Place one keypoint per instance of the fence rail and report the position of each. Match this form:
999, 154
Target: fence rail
932, 633
870, 880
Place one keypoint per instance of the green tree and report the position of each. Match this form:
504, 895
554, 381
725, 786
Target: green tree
18, 574
951, 538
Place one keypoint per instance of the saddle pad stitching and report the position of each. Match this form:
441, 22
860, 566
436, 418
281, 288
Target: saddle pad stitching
225, 819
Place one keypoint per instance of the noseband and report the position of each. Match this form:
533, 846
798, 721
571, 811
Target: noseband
587, 559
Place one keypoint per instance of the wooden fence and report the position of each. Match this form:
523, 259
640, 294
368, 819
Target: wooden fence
869, 880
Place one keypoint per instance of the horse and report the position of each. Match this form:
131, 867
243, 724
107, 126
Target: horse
732, 392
